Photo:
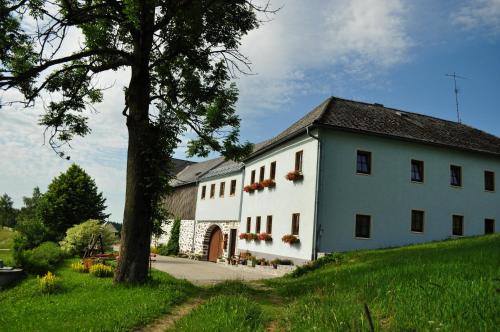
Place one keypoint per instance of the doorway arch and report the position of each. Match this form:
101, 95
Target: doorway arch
215, 243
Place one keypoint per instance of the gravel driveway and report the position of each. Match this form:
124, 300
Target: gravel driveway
203, 273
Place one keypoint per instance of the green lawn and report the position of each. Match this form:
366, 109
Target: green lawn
87, 303
444, 286
6, 238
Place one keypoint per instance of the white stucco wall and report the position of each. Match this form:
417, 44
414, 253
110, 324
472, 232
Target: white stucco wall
283, 200
225, 208
388, 195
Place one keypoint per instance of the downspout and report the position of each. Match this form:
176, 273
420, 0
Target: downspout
241, 202
315, 235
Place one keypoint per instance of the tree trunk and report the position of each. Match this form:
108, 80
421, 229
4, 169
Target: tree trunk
137, 224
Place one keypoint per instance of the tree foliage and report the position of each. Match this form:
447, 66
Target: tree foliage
78, 237
181, 55
71, 199
7, 211
30, 208
173, 241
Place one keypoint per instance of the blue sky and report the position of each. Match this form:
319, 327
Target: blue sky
394, 52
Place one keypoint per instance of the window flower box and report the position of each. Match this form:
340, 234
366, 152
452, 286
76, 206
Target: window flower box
248, 189
265, 237
244, 236
290, 239
268, 183
294, 176
254, 237
257, 186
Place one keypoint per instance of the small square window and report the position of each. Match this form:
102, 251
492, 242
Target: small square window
456, 176
489, 226
232, 190
299, 155
269, 225
489, 181
252, 177
249, 224
364, 162
295, 223
203, 192
212, 190
417, 221
273, 170
257, 225
262, 173
222, 188
417, 171
458, 225
363, 225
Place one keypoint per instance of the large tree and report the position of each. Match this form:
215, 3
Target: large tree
71, 198
180, 55
29, 210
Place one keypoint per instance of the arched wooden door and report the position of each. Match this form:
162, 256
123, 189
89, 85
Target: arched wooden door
215, 246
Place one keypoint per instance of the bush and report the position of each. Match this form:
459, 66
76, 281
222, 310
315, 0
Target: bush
78, 237
173, 242
332, 258
41, 259
49, 283
79, 267
100, 270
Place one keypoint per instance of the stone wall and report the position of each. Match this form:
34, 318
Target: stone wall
204, 230
186, 235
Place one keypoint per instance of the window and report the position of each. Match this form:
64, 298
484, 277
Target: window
262, 173
363, 226
273, 171
489, 226
417, 171
232, 190
203, 192
222, 188
364, 162
257, 225
249, 224
417, 221
298, 160
295, 223
458, 225
252, 177
269, 225
212, 190
489, 181
456, 176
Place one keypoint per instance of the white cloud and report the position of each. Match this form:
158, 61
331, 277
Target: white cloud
479, 14
357, 37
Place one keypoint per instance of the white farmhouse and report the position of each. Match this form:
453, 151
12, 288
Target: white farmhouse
347, 176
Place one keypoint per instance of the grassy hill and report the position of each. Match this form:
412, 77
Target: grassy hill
443, 286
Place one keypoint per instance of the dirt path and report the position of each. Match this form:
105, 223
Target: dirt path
167, 321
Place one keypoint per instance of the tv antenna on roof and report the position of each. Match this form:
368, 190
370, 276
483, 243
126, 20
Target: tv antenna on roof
455, 76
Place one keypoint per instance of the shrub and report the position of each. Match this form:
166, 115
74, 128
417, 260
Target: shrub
278, 261
78, 237
40, 259
173, 242
100, 270
332, 258
79, 267
49, 283
290, 239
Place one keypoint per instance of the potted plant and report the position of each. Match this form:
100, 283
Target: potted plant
268, 183
257, 186
248, 189
253, 236
275, 263
265, 237
254, 261
244, 236
290, 239
294, 176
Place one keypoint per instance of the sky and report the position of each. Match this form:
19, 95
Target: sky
393, 52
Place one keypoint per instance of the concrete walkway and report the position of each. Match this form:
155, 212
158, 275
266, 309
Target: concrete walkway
205, 273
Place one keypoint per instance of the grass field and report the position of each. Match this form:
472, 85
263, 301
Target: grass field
87, 303
444, 286
6, 239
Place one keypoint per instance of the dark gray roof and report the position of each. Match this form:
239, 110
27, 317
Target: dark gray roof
343, 114
178, 165
192, 173
225, 168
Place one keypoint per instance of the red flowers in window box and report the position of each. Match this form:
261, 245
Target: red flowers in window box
248, 189
243, 236
294, 176
268, 183
249, 236
257, 186
265, 237
290, 239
